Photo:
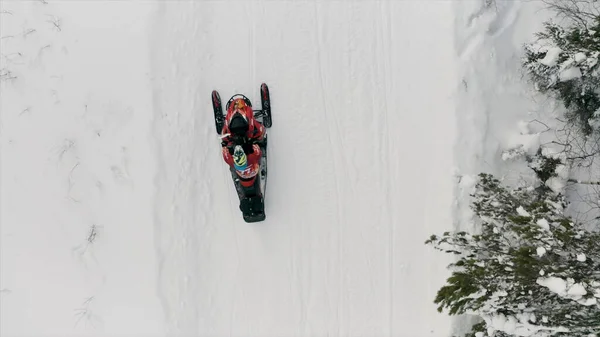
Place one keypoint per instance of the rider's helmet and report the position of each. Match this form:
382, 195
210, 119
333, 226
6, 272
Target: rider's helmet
241, 110
238, 124
240, 161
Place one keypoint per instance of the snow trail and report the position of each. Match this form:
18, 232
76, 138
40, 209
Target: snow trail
360, 160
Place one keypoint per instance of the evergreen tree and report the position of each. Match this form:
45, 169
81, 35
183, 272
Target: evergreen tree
530, 270
564, 62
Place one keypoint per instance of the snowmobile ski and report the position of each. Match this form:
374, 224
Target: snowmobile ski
265, 100
218, 111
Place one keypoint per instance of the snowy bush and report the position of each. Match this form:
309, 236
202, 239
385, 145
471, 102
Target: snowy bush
530, 270
563, 61
550, 168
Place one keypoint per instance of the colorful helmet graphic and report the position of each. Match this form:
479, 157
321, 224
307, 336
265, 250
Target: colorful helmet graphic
240, 161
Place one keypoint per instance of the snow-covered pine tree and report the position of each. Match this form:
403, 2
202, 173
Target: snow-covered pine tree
530, 270
563, 61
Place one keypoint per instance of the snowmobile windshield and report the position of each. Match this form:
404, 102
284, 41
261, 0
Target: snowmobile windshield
238, 99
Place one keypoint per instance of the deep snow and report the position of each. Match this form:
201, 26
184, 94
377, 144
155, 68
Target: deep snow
107, 135
76, 229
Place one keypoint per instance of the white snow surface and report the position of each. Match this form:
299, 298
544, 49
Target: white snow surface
118, 215
570, 73
567, 289
518, 326
541, 251
543, 223
77, 252
522, 212
551, 58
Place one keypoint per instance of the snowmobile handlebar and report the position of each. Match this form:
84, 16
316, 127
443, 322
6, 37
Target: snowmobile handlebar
237, 140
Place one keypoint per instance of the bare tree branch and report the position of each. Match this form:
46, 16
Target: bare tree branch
579, 11
583, 182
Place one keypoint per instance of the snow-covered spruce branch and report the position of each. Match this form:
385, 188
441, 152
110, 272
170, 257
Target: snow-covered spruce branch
531, 265
563, 61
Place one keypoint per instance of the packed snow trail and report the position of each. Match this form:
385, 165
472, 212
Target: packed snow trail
360, 167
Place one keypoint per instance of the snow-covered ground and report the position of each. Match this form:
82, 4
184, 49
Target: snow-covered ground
77, 231
119, 217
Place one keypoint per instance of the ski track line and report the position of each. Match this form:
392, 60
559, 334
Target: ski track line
304, 267
319, 68
385, 40
347, 164
253, 43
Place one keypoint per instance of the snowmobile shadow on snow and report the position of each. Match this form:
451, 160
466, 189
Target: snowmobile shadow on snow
245, 154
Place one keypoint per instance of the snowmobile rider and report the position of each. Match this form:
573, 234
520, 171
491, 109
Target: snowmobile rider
241, 127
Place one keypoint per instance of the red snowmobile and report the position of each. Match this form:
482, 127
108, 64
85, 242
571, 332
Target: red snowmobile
244, 148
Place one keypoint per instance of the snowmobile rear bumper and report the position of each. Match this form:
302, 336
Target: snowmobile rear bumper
254, 218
